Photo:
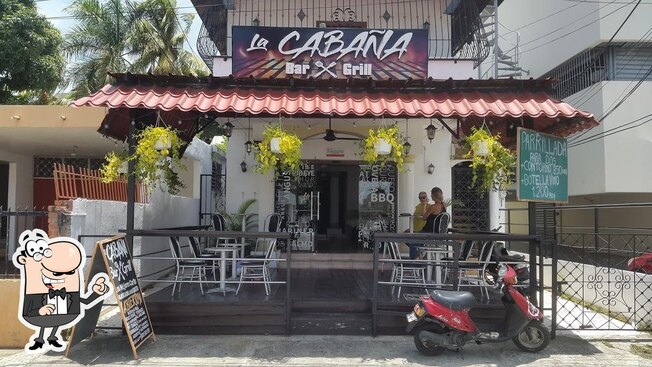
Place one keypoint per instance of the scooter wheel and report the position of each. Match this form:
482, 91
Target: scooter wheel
533, 338
425, 347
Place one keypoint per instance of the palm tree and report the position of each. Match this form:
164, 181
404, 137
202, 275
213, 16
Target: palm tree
99, 43
159, 34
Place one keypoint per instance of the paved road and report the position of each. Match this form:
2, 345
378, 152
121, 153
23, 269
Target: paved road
591, 349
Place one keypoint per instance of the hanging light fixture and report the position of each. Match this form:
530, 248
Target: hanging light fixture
406, 145
431, 169
228, 129
248, 143
430, 131
255, 22
243, 166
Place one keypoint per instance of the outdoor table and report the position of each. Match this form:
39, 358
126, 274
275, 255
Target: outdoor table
222, 251
439, 251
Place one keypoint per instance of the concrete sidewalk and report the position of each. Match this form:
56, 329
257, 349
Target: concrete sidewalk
110, 349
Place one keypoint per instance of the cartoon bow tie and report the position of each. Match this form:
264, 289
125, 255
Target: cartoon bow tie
61, 293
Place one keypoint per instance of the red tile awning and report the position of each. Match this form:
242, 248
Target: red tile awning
256, 101
184, 100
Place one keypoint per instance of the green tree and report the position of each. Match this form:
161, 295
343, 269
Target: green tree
160, 33
99, 43
31, 62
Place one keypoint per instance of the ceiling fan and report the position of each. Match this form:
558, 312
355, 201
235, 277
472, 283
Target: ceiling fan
330, 134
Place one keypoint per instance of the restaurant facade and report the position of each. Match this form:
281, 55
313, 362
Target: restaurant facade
329, 71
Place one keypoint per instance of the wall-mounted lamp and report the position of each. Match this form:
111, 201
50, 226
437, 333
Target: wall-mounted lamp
431, 169
430, 131
426, 25
15, 117
243, 166
255, 22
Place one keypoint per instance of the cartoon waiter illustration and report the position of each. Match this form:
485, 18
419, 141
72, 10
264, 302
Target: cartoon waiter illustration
51, 282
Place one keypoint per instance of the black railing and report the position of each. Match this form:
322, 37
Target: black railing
600, 276
535, 261
12, 223
453, 33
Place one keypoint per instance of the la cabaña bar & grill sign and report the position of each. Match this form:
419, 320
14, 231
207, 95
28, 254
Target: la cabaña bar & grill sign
323, 53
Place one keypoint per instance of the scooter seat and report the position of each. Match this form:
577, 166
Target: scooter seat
453, 300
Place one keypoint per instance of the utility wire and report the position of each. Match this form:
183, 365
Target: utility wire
588, 140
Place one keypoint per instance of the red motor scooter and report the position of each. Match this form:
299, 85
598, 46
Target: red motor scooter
441, 321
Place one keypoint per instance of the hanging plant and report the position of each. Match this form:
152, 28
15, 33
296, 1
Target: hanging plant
382, 145
156, 153
493, 165
114, 166
283, 155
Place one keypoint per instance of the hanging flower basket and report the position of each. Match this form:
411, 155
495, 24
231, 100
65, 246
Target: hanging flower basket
114, 166
279, 150
381, 145
275, 145
493, 165
157, 151
163, 143
124, 168
481, 148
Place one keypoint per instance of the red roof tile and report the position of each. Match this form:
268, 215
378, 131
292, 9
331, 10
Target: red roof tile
292, 101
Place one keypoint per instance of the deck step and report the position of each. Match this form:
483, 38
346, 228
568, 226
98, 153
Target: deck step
331, 324
331, 306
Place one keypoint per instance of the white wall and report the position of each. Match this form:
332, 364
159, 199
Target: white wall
163, 211
567, 32
617, 163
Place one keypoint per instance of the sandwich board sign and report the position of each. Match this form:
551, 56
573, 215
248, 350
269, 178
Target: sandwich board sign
542, 167
112, 256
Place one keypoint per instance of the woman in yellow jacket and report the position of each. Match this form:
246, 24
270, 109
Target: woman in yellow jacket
417, 220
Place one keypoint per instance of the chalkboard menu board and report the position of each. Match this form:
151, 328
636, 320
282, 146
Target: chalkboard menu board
376, 201
112, 256
542, 170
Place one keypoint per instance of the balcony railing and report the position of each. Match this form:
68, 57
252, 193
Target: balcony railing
455, 29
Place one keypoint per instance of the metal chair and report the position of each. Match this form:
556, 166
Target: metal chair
197, 266
467, 269
198, 253
258, 269
402, 272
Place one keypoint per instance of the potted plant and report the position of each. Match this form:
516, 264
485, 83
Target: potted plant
382, 145
493, 165
156, 152
116, 165
279, 150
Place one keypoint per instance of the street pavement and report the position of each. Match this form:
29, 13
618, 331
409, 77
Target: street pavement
585, 348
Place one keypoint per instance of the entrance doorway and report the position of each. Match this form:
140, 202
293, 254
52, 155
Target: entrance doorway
337, 184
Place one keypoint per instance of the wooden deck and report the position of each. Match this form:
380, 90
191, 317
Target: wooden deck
323, 301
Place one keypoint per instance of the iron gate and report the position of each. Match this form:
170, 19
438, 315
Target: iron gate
12, 224
212, 194
474, 214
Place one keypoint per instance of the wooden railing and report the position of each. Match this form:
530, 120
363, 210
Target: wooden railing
87, 184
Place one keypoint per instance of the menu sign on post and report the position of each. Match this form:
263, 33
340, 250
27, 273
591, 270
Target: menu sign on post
276, 52
542, 170
112, 256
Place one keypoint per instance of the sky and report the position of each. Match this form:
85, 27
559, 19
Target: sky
56, 9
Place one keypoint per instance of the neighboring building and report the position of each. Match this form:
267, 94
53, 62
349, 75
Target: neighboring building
569, 41
35, 138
